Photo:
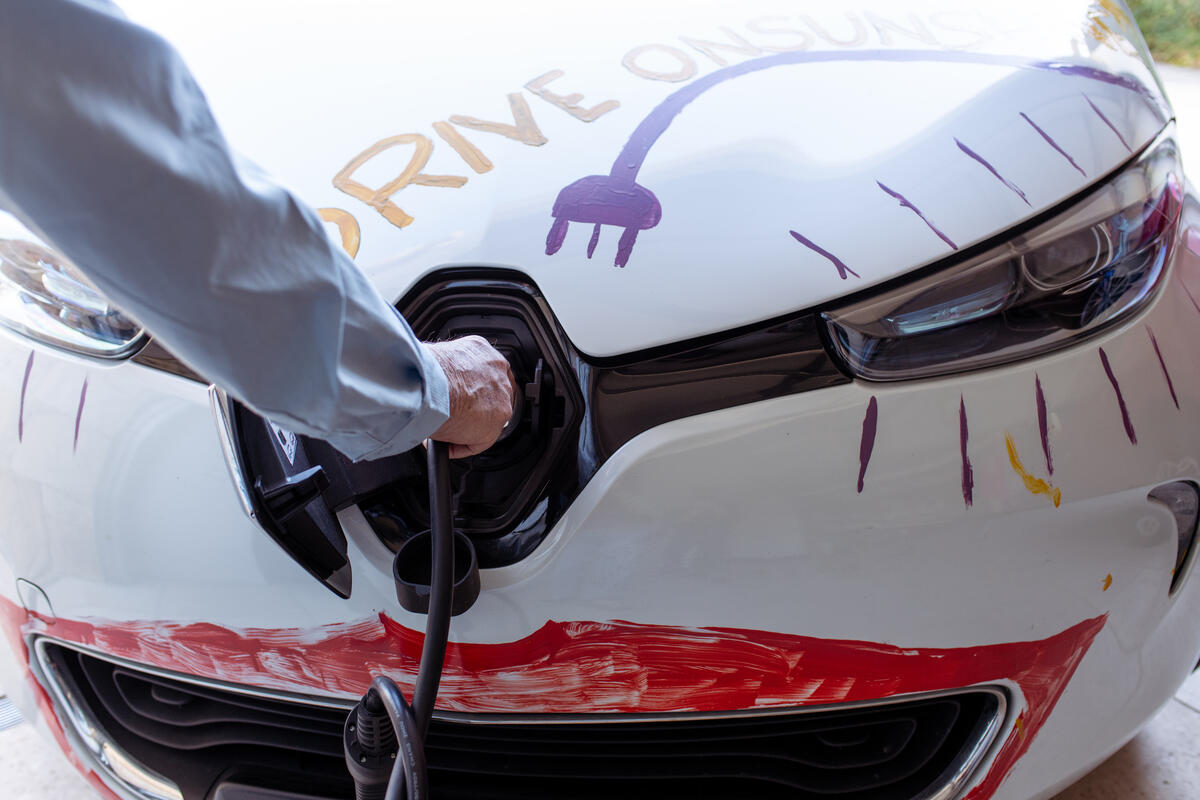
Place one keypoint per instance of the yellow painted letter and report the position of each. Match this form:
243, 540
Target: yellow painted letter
525, 130
471, 154
760, 26
687, 67
736, 45
347, 227
568, 102
380, 199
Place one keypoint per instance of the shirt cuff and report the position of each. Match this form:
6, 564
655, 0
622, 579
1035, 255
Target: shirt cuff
434, 411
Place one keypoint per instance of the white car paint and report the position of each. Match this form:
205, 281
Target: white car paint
744, 518
796, 147
696, 523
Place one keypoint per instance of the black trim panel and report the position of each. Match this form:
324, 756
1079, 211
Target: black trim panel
627, 395
784, 358
155, 356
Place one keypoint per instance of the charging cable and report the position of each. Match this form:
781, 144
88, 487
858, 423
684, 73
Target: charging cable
384, 736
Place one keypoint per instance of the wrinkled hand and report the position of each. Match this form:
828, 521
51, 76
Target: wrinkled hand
481, 394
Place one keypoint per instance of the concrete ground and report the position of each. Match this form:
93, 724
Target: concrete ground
1162, 763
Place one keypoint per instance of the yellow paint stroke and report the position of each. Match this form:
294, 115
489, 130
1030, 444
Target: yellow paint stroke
523, 129
1100, 30
469, 153
1107, 581
1033, 484
347, 227
568, 102
1117, 12
1020, 726
380, 199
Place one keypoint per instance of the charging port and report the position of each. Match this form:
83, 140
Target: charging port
508, 495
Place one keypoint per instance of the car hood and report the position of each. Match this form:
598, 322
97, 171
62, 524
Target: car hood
664, 171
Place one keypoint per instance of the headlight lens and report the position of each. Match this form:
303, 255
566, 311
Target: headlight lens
45, 297
1066, 279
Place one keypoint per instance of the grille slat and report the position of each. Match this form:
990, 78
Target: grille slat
870, 751
9, 716
201, 708
201, 735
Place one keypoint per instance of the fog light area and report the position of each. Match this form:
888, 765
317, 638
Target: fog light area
1182, 499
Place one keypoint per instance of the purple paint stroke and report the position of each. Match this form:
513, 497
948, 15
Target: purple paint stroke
1099, 75
1162, 363
1191, 296
617, 199
968, 474
601, 200
837, 262
594, 240
1120, 397
867, 444
21, 409
1108, 122
1053, 144
904, 202
1012, 186
83, 397
1043, 423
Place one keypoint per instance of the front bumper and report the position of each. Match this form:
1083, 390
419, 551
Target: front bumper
223, 741
726, 561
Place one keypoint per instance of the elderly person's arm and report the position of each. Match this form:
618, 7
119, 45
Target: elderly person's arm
109, 151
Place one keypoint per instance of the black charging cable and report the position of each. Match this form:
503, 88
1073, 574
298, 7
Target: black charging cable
389, 764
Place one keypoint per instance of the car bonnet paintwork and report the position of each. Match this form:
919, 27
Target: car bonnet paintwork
709, 165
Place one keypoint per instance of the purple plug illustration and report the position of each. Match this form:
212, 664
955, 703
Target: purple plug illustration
617, 199
604, 200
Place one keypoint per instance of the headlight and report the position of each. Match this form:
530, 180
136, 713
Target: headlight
45, 297
1066, 279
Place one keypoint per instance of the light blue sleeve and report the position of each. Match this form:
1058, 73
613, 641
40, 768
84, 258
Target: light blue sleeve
108, 149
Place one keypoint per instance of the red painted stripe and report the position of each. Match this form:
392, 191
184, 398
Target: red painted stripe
13, 623
615, 666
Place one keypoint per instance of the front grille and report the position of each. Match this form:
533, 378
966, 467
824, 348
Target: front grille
9, 716
201, 734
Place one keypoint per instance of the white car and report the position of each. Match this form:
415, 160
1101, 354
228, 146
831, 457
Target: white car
858, 451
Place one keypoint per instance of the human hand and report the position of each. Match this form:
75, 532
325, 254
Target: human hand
482, 391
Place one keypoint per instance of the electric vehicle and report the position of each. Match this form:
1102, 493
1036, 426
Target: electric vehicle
857, 451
